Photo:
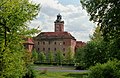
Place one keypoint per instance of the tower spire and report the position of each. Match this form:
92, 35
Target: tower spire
59, 24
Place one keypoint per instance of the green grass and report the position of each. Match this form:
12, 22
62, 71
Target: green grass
52, 74
45, 73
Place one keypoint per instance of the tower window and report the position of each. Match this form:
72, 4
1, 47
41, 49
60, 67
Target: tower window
38, 43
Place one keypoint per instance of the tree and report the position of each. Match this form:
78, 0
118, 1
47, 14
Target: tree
41, 57
14, 14
97, 35
50, 57
69, 56
34, 55
107, 14
94, 52
79, 56
59, 57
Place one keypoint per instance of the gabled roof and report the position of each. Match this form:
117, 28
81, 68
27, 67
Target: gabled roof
54, 35
28, 41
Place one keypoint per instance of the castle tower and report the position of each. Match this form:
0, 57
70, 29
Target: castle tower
59, 25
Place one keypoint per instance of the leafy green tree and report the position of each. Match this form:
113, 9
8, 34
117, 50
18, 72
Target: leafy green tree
97, 35
59, 57
107, 14
14, 14
113, 50
41, 57
50, 57
34, 55
69, 56
79, 56
94, 52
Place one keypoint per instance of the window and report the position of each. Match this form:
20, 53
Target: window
54, 49
63, 43
60, 43
38, 43
43, 43
49, 43
49, 49
43, 49
63, 49
38, 49
64, 54
55, 43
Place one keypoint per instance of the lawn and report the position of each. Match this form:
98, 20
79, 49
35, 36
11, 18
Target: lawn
52, 74
58, 72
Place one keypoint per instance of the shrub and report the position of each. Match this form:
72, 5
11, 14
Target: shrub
31, 73
92, 53
111, 69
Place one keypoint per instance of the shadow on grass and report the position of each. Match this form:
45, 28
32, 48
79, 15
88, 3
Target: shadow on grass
76, 75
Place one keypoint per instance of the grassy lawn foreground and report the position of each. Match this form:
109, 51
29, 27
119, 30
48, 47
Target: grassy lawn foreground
62, 74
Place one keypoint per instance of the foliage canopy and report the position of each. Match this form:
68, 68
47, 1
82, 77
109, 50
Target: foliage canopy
14, 15
107, 14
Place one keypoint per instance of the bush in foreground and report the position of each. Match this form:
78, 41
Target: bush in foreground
31, 73
111, 69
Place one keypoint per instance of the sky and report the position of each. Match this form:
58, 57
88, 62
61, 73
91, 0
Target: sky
76, 19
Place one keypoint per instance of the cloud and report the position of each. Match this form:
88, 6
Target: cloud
75, 18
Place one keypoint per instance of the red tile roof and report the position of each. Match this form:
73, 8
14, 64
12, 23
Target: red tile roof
28, 41
54, 35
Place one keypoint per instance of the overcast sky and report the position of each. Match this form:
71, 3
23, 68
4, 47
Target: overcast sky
76, 19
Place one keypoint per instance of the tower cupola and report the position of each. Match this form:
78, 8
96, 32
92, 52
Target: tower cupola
59, 24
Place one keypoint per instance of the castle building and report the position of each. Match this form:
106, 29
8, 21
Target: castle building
59, 40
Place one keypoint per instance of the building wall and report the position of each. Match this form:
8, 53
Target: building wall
73, 44
55, 45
